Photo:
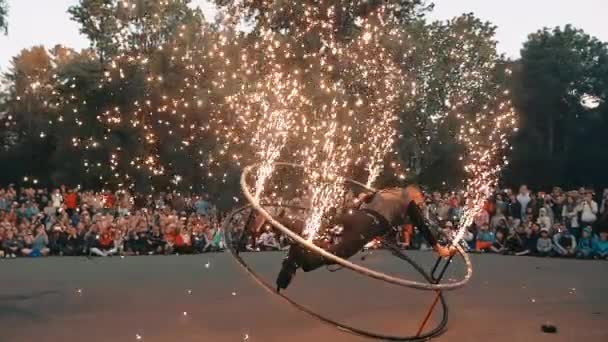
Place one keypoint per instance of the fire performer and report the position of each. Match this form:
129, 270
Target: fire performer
375, 217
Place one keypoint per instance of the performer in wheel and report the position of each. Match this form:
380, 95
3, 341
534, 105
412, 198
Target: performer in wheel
377, 214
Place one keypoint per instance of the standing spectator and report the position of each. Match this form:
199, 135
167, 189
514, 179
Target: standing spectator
4, 201
544, 245
71, 202
564, 243
558, 199
523, 197
514, 209
202, 206
588, 210
502, 203
50, 209
544, 221
108, 200
57, 199
570, 214
603, 206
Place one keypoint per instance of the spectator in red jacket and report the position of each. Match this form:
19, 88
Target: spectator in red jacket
70, 199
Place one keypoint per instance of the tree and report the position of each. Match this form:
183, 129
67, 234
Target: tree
561, 91
3, 16
135, 117
153, 92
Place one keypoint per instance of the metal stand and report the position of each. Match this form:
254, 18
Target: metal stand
435, 279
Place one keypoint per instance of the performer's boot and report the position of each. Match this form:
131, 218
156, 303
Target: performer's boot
288, 271
297, 257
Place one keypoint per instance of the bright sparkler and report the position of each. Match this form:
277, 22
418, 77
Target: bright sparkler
301, 85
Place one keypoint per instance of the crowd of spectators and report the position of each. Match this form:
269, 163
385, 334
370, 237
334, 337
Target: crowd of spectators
39, 222
556, 224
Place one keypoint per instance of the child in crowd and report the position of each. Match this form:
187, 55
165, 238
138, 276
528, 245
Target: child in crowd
544, 245
485, 239
584, 247
516, 242
499, 244
564, 243
544, 220
600, 245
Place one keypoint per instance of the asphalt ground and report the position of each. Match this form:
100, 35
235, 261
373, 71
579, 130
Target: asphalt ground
210, 298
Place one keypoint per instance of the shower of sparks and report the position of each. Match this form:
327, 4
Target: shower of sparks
300, 87
317, 97
325, 157
485, 138
269, 112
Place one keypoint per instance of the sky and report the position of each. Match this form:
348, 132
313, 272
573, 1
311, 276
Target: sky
46, 22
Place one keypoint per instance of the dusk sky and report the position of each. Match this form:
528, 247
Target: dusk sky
34, 22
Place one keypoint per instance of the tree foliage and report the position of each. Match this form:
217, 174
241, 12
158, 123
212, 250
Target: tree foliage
561, 90
3, 16
135, 108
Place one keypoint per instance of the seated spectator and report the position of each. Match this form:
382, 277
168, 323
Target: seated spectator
101, 244
485, 239
117, 242
170, 237
564, 243
56, 239
183, 242
516, 242
584, 247
199, 238
469, 237
267, 241
38, 245
499, 244
217, 241
600, 245
544, 244
531, 239
73, 244
155, 241
11, 245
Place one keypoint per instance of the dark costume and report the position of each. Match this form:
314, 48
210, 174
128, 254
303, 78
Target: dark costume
382, 211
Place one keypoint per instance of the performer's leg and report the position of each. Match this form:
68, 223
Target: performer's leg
358, 229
